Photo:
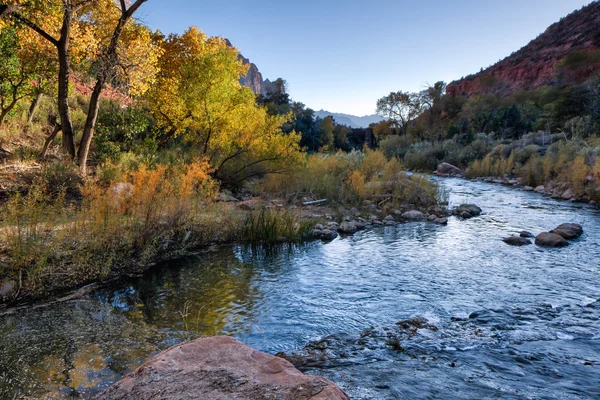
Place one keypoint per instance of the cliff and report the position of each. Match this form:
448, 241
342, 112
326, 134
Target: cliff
254, 79
567, 52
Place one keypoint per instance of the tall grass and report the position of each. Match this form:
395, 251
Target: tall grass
268, 225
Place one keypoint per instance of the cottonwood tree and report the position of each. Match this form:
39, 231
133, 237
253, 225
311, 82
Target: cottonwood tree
77, 29
401, 108
197, 97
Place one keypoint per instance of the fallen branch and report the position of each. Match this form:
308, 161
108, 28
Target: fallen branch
312, 203
17, 166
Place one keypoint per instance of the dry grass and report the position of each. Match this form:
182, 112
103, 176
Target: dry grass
352, 179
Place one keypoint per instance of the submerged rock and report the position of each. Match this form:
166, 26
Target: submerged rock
220, 368
548, 239
569, 231
517, 241
526, 234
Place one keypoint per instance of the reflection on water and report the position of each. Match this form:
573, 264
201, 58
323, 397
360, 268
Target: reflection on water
534, 330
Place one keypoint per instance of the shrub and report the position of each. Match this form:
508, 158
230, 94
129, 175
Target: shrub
119, 229
352, 178
395, 146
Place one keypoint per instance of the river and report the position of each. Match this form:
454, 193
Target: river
512, 323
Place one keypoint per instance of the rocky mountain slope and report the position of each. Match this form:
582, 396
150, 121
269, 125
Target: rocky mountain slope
575, 38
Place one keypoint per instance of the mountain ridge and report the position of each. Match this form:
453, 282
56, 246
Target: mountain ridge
352, 121
539, 62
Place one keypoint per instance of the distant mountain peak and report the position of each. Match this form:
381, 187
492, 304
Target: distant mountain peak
352, 121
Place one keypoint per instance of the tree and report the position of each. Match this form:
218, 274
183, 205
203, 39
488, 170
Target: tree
431, 97
325, 141
77, 29
55, 22
401, 108
107, 62
198, 97
14, 75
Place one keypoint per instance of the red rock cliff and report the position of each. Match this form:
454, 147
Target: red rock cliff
537, 64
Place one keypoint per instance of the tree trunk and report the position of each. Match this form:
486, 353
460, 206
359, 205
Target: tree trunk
3, 115
34, 106
68, 137
49, 140
108, 62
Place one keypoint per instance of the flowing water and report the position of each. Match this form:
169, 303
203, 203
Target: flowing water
516, 323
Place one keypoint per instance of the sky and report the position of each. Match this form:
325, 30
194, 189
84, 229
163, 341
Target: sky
342, 56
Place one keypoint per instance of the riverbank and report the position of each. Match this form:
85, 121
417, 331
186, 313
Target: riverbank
51, 244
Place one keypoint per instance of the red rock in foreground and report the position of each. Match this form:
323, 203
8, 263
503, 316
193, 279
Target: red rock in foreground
220, 368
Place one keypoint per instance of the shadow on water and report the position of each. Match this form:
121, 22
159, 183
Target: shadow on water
510, 322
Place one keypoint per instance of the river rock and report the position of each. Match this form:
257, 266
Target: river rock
348, 227
526, 234
540, 189
438, 211
567, 194
389, 220
441, 221
220, 368
516, 241
569, 231
548, 239
324, 234
7, 289
445, 169
528, 189
414, 215
467, 211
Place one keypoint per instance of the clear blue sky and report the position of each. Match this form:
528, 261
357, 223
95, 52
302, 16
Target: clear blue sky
343, 55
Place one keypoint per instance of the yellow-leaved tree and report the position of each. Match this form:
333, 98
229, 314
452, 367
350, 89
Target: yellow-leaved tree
98, 36
198, 97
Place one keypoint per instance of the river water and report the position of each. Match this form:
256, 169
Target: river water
512, 323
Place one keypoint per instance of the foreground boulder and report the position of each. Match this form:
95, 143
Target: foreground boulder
548, 239
445, 169
569, 231
220, 368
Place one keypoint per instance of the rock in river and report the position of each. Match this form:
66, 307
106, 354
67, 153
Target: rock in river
220, 368
548, 239
348, 228
414, 216
445, 169
517, 241
569, 231
467, 211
